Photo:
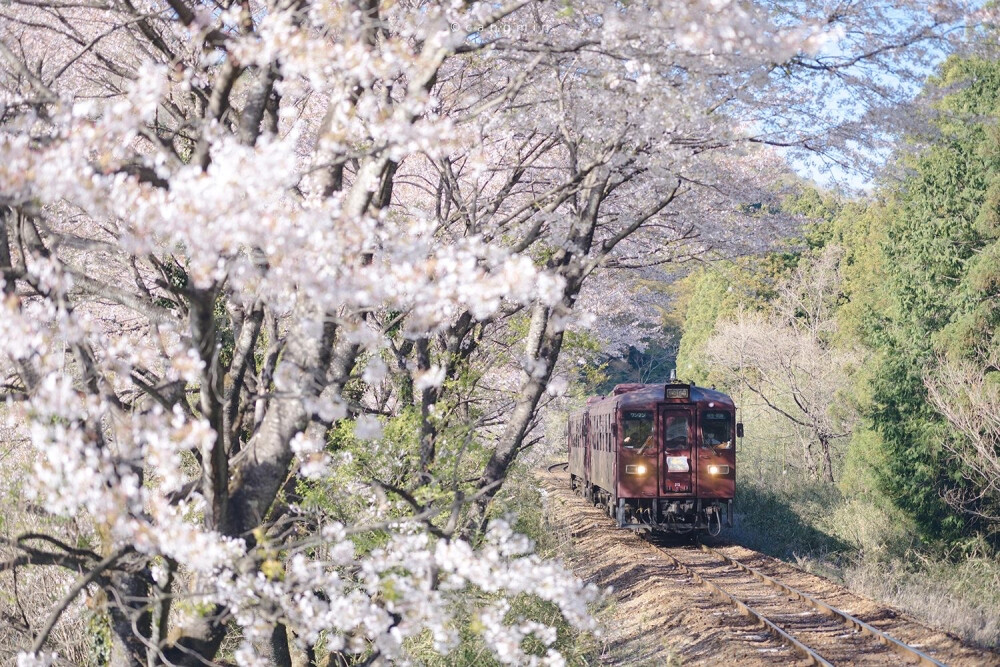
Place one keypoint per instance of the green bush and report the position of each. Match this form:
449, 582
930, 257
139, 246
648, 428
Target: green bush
788, 523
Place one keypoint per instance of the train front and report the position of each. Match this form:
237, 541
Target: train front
677, 462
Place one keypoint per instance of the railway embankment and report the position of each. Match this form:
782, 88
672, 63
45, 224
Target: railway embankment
659, 614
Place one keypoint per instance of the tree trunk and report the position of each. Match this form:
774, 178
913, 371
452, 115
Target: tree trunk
810, 460
543, 346
275, 650
824, 443
129, 615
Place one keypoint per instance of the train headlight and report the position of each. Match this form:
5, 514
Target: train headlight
718, 470
635, 469
640, 469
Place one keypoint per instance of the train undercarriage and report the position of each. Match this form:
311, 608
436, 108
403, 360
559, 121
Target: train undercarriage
668, 515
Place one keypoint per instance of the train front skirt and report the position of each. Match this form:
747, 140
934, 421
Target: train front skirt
674, 515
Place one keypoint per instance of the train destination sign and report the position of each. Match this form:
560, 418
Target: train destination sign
677, 391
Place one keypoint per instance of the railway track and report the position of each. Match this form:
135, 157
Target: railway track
559, 466
821, 634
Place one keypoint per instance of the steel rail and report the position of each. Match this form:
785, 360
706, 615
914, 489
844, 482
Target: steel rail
564, 465
848, 620
809, 654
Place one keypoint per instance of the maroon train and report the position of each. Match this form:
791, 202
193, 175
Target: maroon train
657, 456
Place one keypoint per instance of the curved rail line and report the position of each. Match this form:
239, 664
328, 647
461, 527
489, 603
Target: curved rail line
811, 655
564, 465
851, 621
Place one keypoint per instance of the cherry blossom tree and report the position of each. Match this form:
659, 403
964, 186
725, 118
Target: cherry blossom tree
236, 236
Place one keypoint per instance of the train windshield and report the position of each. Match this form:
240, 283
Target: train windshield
675, 435
638, 429
715, 429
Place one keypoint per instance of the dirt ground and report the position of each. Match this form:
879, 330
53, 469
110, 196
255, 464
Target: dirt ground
658, 616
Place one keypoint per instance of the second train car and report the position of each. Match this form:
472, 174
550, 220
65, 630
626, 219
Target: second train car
657, 456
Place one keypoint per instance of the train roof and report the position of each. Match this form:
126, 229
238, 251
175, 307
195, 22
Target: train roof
634, 396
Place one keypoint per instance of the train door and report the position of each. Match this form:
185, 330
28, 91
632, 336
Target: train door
678, 450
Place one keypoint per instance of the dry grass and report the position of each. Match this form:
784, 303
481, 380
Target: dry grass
961, 598
28, 593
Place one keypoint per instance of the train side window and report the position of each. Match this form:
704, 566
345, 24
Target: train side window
675, 431
715, 430
637, 429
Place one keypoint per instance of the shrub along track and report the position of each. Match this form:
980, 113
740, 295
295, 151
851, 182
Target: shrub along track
663, 614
